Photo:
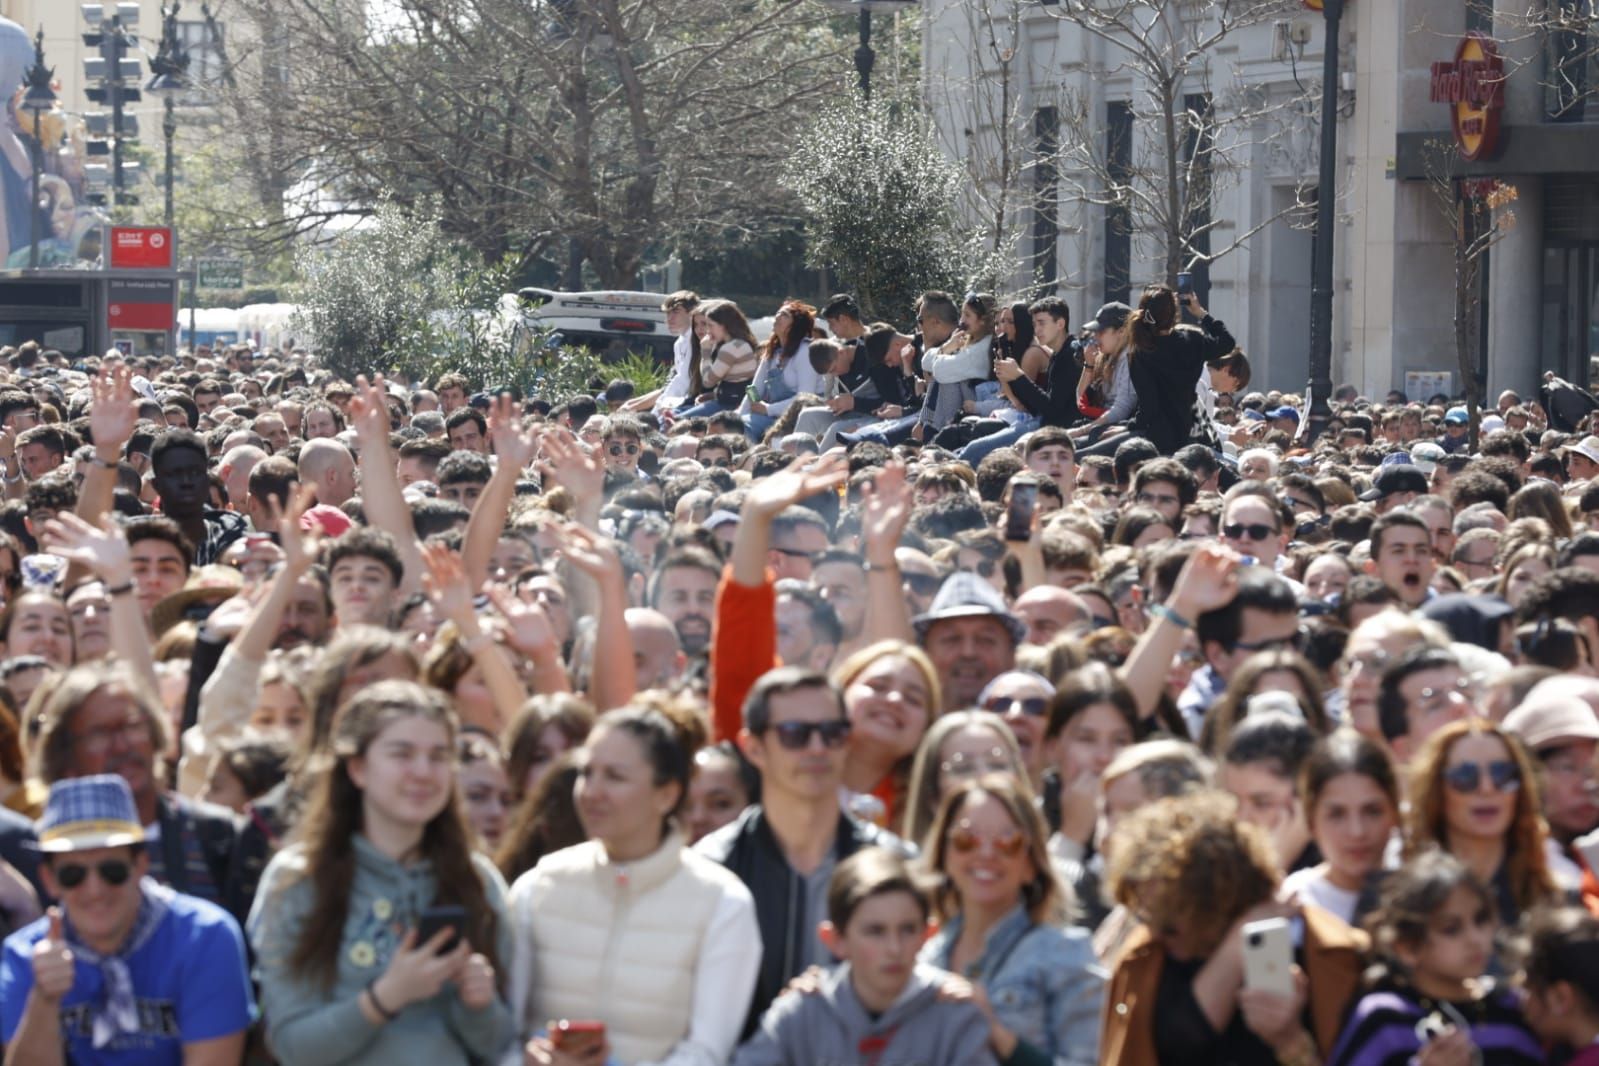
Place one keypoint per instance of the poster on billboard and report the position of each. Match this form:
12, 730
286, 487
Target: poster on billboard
69, 231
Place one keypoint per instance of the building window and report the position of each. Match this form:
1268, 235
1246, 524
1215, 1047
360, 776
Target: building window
203, 41
1118, 219
1046, 194
1570, 61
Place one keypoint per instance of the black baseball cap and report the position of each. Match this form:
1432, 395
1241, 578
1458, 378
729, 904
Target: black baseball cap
1396, 478
1112, 316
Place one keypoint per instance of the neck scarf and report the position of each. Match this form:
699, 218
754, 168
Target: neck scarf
116, 1013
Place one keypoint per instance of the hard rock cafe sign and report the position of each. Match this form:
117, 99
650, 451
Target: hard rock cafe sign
1474, 88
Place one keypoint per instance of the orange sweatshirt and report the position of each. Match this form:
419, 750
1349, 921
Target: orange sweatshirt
743, 647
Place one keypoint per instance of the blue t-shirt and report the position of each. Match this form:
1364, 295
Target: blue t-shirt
189, 980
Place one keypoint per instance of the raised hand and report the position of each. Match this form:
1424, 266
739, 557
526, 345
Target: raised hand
885, 511
369, 410
578, 470
103, 549
445, 581
591, 553
300, 546
112, 412
807, 477
527, 627
53, 971
1208, 580
511, 443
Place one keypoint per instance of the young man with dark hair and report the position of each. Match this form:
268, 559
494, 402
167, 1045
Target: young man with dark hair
1051, 452
1402, 555
462, 477
161, 557
452, 390
180, 472
365, 572
467, 430
41, 450
1165, 485
419, 460
1421, 693
684, 590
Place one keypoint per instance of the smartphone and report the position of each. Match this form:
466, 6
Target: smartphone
1019, 515
446, 916
1269, 956
577, 1037
1587, 846
1185, 283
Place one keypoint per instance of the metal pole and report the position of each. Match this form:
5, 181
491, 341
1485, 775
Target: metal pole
114, 45
864, 56
194, 300
33, 213
1321, 284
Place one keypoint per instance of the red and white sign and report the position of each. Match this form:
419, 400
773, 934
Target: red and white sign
141, 305
1473, 87
141, 248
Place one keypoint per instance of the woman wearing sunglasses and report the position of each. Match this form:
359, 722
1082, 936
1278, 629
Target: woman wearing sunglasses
1001, 913
890, 695
1473, 793
960, 747
1021, 699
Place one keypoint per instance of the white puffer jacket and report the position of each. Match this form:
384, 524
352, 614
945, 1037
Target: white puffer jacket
663, 950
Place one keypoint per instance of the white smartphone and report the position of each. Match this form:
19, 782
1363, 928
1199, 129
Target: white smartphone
1588, 847
1269, 956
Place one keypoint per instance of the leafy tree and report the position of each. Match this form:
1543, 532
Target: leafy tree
881, 201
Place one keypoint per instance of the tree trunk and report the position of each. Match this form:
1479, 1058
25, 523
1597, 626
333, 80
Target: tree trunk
1174, 214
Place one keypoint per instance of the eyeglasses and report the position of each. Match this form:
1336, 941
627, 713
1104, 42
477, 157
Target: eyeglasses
1461, 560
1151, 499
963, 841
1291, 642
796, 736
993, 761
1374, 662
1504, 775
796, 553
922, 584
113, 872
1250, 531
100, 738
617, 450
1031, 706
1433, 699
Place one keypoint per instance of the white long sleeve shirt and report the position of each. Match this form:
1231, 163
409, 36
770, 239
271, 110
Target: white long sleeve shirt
968, 364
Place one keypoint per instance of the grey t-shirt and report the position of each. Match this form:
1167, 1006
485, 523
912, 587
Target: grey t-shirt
816, 953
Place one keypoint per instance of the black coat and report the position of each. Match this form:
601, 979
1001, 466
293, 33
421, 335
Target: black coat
1166, 379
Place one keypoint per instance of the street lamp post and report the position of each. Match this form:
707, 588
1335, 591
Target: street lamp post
865, 57
38, 99
169, 71
1321, 283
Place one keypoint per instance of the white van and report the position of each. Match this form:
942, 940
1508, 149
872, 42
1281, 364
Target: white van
613, 324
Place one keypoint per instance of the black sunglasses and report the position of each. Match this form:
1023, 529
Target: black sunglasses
1252, 530
984, 568
796, 736
113, 872
618, 449
923, 584
1467, 777
796, 553
1031, 706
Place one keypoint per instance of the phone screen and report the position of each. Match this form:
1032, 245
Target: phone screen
434, 919
1019, 515
1185, 284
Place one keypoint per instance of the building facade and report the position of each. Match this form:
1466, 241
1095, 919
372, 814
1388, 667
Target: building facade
1393, 293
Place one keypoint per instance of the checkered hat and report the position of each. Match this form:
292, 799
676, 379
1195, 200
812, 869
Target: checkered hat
89, 812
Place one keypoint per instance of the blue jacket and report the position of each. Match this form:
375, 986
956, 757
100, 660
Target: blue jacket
1043, 982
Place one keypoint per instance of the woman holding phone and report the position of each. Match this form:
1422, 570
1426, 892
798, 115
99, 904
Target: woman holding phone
380, 934
629, 946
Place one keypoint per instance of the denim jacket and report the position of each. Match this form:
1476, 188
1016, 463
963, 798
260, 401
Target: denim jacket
1043, 981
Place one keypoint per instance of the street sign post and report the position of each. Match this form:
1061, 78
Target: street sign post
221, 273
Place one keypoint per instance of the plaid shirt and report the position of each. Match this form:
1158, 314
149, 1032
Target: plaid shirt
222, 528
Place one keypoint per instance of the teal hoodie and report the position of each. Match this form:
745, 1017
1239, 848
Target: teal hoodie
832, 1028
308, 1025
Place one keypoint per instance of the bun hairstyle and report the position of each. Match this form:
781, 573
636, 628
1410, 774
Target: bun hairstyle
1156, 315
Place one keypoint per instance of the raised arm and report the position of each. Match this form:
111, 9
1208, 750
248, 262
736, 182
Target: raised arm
447, 584
579, 471
103, 550
884, 514
381, 495
112, 416
514, 447
615, 676
1208, 580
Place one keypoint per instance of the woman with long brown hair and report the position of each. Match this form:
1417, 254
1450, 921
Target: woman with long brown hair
785, 370
1474, 793
1166, 363
345, 974
728, 361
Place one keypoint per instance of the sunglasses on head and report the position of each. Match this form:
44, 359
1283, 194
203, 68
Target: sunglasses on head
964, 841
922, 584
1031, 706
112, 871
622, 449
1504, 775
796, 736
1251, 530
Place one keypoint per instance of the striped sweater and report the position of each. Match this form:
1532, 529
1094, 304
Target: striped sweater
1381, 1030
731, 361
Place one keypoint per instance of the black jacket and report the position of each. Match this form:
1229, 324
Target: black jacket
1056, 405
749, 848
1166, 379
233, 877
17, 843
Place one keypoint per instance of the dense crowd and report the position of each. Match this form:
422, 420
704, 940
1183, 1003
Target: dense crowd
1006, 691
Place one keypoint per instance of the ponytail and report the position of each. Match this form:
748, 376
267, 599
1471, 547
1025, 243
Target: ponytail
1156, 315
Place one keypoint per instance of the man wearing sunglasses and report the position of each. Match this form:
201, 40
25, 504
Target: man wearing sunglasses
1420, 694
1254, 522
786, 847
122, 969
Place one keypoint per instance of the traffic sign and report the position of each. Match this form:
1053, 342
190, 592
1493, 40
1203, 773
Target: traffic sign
220, 273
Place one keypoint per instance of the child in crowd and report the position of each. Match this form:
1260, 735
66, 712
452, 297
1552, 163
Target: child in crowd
878, 1005
1561, 982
